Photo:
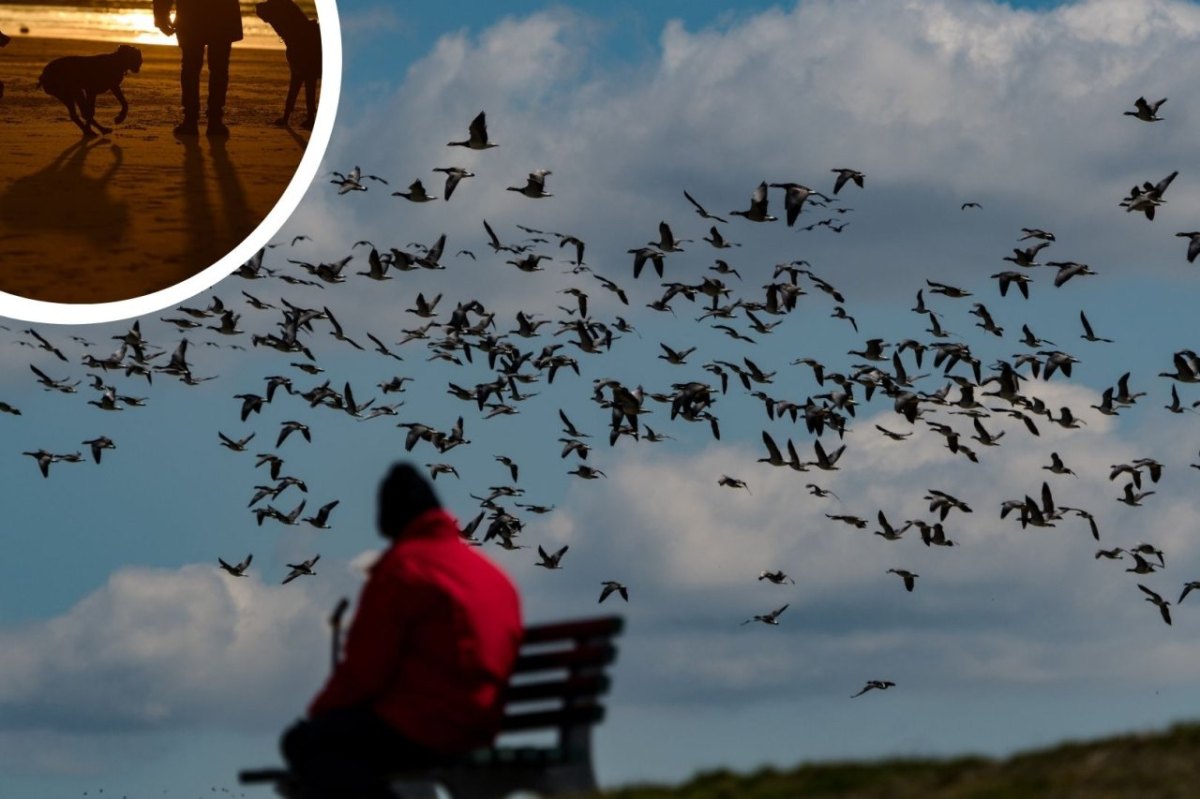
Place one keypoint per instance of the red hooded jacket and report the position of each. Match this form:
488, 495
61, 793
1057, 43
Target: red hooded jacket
433, 642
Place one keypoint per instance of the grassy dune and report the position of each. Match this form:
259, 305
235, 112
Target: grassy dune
1163, 765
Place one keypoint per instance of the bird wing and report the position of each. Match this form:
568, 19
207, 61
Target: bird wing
772, 447
479, 127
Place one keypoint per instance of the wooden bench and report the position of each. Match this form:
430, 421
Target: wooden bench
556, 685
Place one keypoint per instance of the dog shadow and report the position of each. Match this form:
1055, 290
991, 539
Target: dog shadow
62, 197
215, 221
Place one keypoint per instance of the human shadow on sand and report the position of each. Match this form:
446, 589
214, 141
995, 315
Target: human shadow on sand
216, 217
64, 197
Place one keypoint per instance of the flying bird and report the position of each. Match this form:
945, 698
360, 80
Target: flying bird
881, 685
758, 206
844, 175
776, 577
298, 569
535, 185
767, 618
1147, 112
612, 585
454, 175
704, 214
238, 570
478, 139
910, 579
1163, 605
551, 561
321, 519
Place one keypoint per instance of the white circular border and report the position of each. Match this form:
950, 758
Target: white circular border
28, 310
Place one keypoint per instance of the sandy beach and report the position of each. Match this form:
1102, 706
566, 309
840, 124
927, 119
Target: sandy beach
105, 219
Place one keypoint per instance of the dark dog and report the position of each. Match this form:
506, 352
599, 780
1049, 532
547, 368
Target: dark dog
78, 80
302, 37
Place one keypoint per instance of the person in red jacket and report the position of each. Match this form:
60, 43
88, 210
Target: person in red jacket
432, 646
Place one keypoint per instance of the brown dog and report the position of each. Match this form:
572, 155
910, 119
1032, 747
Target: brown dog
78, 80
302, 38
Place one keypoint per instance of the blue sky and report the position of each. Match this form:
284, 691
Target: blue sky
133, 664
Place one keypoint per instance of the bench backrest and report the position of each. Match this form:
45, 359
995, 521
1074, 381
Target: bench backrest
562, 664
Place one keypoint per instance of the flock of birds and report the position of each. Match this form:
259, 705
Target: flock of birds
538, 348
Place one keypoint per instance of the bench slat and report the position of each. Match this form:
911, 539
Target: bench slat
252, 776
567, 717
584, 685
602, 627
578, 657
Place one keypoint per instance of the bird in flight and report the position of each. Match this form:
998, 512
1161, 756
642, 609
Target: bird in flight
612, 585
478, 139
1162, 604
299, 569
881, 685
238, 570
767, 618
550, 561
776, 577
704, 214
910, 579
1147, 112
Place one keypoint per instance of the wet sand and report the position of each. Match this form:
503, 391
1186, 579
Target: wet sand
115, 217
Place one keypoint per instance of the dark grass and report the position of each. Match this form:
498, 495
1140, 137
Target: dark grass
1162, 765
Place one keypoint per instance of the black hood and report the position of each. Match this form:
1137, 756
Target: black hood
403, 496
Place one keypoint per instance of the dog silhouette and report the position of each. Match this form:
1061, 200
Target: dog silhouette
78, 80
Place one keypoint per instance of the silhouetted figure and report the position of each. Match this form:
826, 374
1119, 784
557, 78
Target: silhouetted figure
78, 80
302, 37
432, 646
200, 26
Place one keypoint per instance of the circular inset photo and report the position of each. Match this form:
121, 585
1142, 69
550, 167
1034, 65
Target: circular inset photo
149, 147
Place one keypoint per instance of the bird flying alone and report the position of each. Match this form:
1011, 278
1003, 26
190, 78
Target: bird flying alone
767, 618
478, 139
551, 561
881, 685
240, 569
299, 569
612, 585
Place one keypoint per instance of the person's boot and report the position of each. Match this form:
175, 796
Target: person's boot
188, 127
216, 126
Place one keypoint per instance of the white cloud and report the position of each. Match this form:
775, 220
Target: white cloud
161, 649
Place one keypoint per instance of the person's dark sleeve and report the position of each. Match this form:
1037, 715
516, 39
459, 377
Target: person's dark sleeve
162, 11
374, 646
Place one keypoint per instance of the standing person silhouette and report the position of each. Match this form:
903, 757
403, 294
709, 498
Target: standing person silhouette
432, 646
199, 25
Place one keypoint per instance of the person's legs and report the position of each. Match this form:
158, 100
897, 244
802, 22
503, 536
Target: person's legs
189, 80
346, 754
218, 85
